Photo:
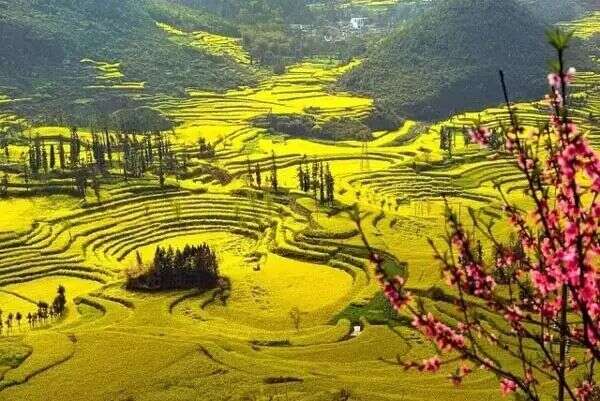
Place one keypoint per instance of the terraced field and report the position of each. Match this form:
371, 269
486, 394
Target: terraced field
586, 27
226, 116
281, 251
211, 43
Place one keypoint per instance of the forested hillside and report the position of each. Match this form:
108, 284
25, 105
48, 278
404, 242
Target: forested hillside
44, 43
447, 60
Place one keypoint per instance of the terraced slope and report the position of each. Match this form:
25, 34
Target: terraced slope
281, 251
303, 85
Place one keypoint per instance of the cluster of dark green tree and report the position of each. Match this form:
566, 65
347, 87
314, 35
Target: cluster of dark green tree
277, 46
45, 313
306, 126
319, 181
192, 267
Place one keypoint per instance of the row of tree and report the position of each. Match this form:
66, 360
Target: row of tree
44, 314
132, 154
43, 158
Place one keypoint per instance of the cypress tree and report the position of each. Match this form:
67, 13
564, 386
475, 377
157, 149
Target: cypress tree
107, 142
161, 172
60, 301
258, 176
321, 183
4, 186
75, 147
126, 156
315, 178
307, 179
52, 157
301, 177
141, 163
33, 166
330, 184
274, 181
98, 153
150, 155
61, 154
45, 159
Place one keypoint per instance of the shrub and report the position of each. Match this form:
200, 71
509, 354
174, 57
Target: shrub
382, 117
344, 128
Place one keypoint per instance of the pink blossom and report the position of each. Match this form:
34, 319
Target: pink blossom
507, 387
554, 80
444, 337
480, 135
431, 365
584, 391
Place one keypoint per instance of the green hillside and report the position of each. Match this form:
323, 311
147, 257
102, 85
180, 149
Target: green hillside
448, 59
123, 50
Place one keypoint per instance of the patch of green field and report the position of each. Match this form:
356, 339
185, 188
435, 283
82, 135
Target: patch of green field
12, 353
105, 70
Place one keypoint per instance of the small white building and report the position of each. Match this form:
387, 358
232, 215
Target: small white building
358, 22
